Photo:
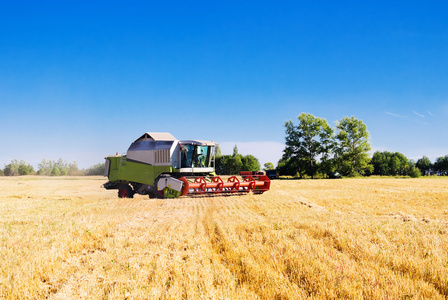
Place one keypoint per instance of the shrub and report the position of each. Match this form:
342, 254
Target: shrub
415, 173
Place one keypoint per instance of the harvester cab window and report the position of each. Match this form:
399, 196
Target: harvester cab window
195, 156
202, 156
186, 159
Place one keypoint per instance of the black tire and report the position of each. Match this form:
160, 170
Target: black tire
153, 193
125, 191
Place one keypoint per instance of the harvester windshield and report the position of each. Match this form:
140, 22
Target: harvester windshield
194, 156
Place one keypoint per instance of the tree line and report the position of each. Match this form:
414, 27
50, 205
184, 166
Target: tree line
387, 163
50, 168
313, 148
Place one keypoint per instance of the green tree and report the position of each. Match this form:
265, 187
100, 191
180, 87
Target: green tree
353, 147
228, 164
326, 148
220, 164
12, 169
291, 163
57, 168
55, 171
250, 163
16, 168
424, 165
415, 173
25, 169
310, 140
380, 162
398, 164
287, 167
268, 166
409, 168
235, 164
440, 165
44, 167
235, 151
391, 164
62, 166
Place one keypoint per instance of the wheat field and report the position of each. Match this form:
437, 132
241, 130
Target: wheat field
67, 238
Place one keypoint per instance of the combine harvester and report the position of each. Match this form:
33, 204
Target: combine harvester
159, 165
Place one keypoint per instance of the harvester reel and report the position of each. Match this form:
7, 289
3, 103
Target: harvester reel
220, 185
236, 184
251, 185
232, 185
202, 185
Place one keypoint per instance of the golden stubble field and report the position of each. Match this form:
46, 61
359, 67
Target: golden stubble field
67, 238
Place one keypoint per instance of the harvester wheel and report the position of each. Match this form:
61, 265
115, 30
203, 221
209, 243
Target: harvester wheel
154, 193
125, 191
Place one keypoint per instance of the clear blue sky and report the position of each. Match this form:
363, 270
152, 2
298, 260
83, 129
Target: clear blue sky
81, 80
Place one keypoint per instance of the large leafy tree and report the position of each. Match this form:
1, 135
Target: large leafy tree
287, 167
228, 164
268, 166
399, 164
250, 163
388, 163
440, 165
307, 142
380, 162
353, 147
326, 148
424, 164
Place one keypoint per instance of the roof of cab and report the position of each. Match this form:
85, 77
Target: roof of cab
198, 142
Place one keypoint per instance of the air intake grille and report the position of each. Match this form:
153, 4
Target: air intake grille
162, 156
